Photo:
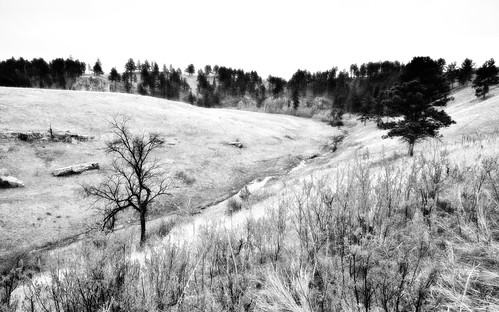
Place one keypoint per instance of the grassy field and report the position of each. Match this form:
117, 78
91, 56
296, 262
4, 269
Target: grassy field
474, 136
364, 228
51, 208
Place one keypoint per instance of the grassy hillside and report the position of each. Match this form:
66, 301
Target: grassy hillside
364, 228
50, 208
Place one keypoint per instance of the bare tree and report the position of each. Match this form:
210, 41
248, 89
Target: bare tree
135, 180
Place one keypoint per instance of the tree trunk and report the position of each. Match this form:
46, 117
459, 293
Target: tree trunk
142, 226
76, 169
411, 149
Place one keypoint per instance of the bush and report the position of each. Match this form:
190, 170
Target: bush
336, 123
244, 193
333, 144
165, 227
372, 238
184, 178
233, 206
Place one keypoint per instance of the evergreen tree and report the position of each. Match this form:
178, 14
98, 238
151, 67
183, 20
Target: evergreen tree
365, 110
299, 81
207, 70
114, 76
363, 70
295, 97
41, 70
191, 98
145, 78
260, 95
431, 76
190, 69
420, 119
452, 73
57, 68
441, 64
276, 85
486, 76
466, 71
202, 81
154, 79
129, 75
354, 71
98, 68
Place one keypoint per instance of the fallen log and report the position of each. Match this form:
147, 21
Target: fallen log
236, 144
51, 135
76, 169
10, 182
68, 136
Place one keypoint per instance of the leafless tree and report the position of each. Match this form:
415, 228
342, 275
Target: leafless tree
135, 180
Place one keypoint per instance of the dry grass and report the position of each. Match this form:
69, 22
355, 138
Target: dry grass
194, 144
366, 229
372, 237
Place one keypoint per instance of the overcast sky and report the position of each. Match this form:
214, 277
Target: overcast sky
272, 37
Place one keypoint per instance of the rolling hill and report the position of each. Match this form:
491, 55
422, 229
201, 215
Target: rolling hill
49, 208
361, 217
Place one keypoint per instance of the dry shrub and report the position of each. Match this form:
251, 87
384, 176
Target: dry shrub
184, 178
233, 206
368, 238
163, 229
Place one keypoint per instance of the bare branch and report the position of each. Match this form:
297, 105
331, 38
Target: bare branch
134, 180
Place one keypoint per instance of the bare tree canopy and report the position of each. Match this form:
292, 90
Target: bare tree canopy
135, 180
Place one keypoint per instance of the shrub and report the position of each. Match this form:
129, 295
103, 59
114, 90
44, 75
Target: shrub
165, 227
24, 137
184, 178
358, 241
336, 123
333, 144
244, 194
233, 206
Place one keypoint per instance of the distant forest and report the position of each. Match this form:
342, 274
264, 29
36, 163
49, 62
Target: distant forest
37, 73
363, 89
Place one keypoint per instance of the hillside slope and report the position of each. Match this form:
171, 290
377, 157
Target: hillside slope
364, 202
50, 208
477, 121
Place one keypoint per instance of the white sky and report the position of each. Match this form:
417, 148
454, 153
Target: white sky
270, 36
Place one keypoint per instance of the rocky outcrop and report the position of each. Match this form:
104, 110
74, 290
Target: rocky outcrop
272, 105
55, 136
10, 182
91, 83
246, 103
76, 169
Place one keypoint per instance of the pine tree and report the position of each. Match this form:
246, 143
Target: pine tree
420, 119
129, 74
466, 71
190, 69
98, 68
191, 97
366, 109
451, 73
207, 70
486, 76
114, 76
295, 97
